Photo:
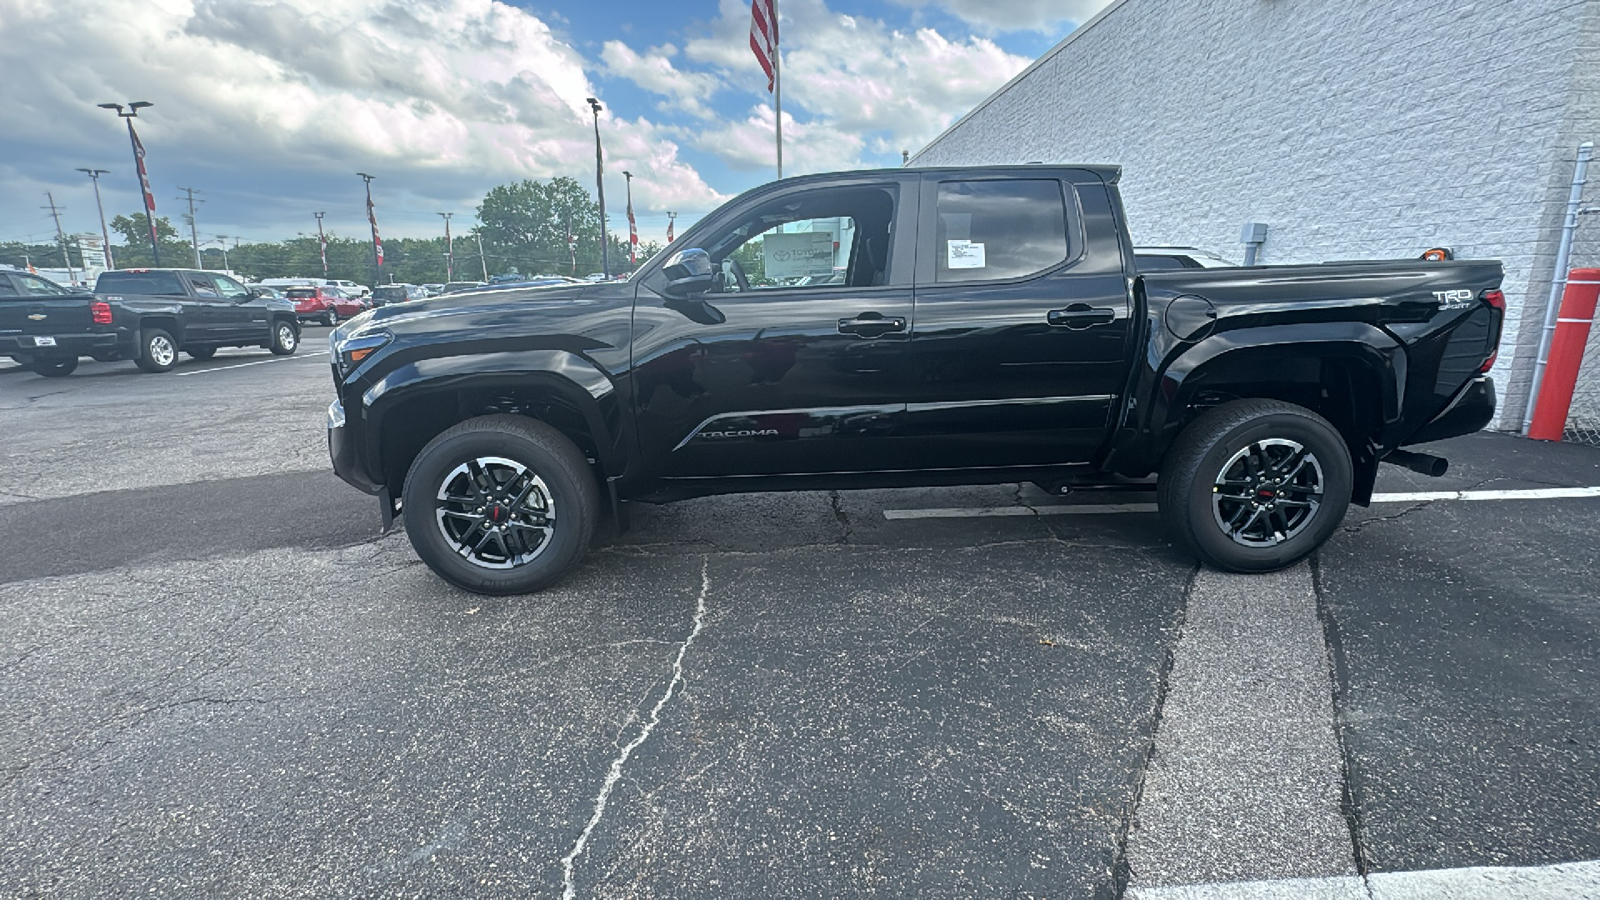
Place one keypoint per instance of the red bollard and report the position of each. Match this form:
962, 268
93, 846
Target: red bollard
1566, 355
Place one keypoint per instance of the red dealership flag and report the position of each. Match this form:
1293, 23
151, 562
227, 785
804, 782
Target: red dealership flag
633, 236
764, 36
377, 242
669, 231
144, 183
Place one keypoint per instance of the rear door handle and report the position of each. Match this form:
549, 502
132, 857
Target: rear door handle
871, 324
1079, 316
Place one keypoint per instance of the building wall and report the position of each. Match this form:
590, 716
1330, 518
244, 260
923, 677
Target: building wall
1371, 130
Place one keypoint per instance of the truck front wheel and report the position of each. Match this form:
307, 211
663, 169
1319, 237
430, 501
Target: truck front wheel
158, 352
500, 505
1255, 485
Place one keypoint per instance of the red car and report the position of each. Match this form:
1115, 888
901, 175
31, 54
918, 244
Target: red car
323, 304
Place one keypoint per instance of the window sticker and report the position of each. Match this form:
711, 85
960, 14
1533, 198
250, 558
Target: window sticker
964, 255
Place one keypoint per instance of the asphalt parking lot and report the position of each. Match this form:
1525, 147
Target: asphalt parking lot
221, 680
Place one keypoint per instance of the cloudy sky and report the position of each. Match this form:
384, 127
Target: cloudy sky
270, 107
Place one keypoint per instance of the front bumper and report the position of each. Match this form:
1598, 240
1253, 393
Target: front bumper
1468, 411
341, 449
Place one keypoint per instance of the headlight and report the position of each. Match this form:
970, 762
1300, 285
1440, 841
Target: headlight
351, 352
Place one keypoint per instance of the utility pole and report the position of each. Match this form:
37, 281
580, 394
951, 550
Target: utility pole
377, 245
138, 165
322, 243
61, 237
600, 185
104, 234
194, 232
481, 260
449, 250
222, 239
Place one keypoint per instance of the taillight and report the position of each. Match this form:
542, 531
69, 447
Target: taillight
101, 312
1497, 300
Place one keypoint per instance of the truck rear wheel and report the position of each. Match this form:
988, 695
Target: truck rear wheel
158, 352
500, 505
1255, 485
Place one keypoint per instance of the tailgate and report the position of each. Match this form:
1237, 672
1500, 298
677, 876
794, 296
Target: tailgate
29, 317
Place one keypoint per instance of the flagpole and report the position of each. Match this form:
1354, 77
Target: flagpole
777, 84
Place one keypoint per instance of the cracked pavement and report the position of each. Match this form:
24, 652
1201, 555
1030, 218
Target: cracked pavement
228, 683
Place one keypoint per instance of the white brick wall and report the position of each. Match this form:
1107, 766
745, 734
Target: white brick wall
1371, 130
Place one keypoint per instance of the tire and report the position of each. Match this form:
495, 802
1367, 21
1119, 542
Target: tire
54, 366
1277, 517
330, 318
201, 352
515, 558
106, 356
158, 352
285, 338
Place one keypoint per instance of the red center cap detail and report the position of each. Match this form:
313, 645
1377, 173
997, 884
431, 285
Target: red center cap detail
494, 513
1265, 495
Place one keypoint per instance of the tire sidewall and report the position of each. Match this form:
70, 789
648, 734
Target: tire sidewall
420, 505
1334, 458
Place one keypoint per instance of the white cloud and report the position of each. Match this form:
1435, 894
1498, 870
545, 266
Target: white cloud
854, 83
653, 70
1016, 15
815, 146
440, 98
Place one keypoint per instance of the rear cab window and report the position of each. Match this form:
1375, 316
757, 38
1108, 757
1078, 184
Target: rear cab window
138, 283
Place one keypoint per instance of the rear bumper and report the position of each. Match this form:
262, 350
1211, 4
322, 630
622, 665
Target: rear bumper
1468, 411
341, 450
65, 344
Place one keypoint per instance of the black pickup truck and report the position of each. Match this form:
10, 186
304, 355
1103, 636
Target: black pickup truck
990, 326
146, 315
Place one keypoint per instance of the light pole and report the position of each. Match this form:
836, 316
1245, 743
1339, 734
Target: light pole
449, 250
377, 248
138, 164
322, 245
222, 240
104, 234
600, 185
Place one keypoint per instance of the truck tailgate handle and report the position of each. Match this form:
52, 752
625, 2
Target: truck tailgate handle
871, 324
1081, 315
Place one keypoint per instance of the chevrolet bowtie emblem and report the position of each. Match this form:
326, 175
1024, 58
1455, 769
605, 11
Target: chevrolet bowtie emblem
37, 316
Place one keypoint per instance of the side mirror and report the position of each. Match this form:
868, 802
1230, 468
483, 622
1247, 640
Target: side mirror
255, 293
688, 273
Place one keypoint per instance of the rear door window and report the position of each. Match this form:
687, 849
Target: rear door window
998, 230
33, 286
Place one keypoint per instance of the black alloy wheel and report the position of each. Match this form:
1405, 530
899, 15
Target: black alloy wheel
500, 505
1267, 492
1255, 485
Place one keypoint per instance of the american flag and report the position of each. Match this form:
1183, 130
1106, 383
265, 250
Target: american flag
144, 182
764, 36
372, 216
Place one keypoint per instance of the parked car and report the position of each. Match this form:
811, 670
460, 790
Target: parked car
433, 290
1151, 259
324, 305
350, 288
991, 327
397, 293
457, 286
146, 315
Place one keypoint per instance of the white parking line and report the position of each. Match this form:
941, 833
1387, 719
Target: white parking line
975, 512
1562, 881
259, 362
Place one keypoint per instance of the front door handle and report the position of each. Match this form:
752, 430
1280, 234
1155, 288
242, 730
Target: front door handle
1079, 316
871, 324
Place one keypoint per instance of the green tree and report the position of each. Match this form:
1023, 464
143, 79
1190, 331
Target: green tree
524, 227
135, 250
